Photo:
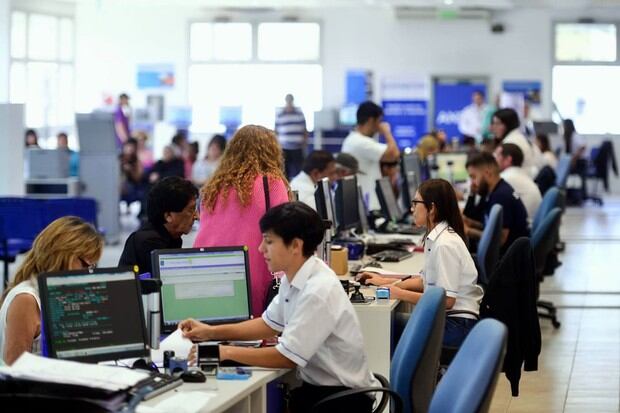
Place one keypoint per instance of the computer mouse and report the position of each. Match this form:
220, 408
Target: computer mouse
375, 264
193, 376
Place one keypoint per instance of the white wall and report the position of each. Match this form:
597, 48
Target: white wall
5, 19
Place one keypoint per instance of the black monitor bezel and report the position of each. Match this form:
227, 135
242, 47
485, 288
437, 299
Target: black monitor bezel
340, 201
384, 202
406, 185
43, 295
323, 199
169, 328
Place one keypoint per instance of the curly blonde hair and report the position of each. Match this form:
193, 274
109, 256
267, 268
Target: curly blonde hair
252, 151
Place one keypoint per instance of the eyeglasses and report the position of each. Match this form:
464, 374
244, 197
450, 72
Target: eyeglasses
86, 265
415, 201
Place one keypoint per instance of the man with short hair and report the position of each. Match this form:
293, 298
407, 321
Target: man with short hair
122, 116
510, 160
369, 152
320, 334
171, 211
292, 135
318, 165
472, 117
484, 173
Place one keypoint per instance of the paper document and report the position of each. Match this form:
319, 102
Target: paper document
387, 273
31, 367
174, 342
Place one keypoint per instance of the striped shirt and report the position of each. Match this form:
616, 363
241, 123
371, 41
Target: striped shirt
291, 128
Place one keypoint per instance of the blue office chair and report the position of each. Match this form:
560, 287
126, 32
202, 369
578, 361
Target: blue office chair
543, 242
487, 255
469, 383
415, 362
550, 200
562, 170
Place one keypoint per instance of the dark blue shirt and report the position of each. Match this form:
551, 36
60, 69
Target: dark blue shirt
514, 212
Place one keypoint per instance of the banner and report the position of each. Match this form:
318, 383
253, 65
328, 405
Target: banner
155, 76
359, 86
405, 108
530, 89
450, 99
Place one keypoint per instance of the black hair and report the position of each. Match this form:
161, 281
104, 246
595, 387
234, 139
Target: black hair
318, 160
123, 96
33, 133
512, 150
440, 193
295, 220
368, 110
569, 130
543, 138
482, 159
171, 194
63, 134
179, 137
478, 92
132, 141
218, 140
509, 118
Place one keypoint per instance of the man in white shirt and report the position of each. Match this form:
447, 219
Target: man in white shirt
510, 160
318, 165
472, 117
368, 151
320, 332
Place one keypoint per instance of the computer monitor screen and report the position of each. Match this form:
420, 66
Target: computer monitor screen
347, 217
208, 284
323, 200
389, 206
456, 171
363, 211
93, 315
411, 175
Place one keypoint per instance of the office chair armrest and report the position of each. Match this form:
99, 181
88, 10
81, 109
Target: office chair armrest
380, 407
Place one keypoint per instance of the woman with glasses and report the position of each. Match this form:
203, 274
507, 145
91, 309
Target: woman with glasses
447, 262
68, 243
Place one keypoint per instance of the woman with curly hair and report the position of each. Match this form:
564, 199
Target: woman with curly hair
233, 200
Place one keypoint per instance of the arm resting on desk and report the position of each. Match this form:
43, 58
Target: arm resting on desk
402, 292
255, 329
260, 357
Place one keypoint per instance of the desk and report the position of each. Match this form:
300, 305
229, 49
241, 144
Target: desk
233, 396
377, 319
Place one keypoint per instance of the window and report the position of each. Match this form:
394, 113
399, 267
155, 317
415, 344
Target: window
229, 72
41, 72
576, 42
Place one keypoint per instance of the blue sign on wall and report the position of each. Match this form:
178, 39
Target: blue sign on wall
450, 99
530, 89
407, 119
155, 76
359, 86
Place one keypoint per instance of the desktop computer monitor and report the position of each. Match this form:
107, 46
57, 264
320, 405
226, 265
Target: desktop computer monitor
411, 175
346, 196
389, 206
324, 202
211, 285
93, 315
452, 166
362, 210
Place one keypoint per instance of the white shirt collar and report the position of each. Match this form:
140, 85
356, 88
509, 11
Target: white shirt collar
302, 275
439, 228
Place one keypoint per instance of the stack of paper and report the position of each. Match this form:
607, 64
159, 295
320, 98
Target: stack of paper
174, 342
386, 273
41, 369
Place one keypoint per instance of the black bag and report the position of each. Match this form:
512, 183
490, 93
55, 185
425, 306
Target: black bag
274, 287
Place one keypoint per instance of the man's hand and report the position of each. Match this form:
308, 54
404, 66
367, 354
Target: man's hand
385, 129
195, 330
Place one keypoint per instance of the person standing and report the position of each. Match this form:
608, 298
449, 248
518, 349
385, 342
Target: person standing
472, 117
292, 135
122, 117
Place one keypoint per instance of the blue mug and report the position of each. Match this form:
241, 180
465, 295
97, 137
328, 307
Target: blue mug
356, 250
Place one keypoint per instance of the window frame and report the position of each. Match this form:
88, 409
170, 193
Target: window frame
555, 62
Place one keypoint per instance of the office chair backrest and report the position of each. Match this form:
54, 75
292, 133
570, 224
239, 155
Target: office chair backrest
562, 170
487, 254
544, 238
469, 383
416, 359
550, 200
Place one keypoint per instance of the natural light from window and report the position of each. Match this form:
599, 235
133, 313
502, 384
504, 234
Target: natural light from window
585, 42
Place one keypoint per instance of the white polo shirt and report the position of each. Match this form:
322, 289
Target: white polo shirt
368, 153
304, 185
525, 187
448, 264
529, 162
320, 329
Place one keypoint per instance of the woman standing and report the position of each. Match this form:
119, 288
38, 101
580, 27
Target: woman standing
233, 200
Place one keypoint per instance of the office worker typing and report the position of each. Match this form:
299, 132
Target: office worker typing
447, 263
320, 332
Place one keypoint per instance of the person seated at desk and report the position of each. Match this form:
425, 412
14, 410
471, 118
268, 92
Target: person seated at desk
483, 171
68, 243
447, 262
320, 332
318, 165
171, 211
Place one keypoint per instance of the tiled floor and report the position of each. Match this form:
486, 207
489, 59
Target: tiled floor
579, 368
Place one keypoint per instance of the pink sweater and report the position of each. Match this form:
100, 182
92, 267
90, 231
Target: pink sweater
231, 224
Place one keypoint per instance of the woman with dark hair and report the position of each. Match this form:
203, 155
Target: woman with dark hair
505, 127
204, 168
549, 158
575, 146
447, 262
31, 140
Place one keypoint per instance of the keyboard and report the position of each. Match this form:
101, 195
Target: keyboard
392, 255
160, 383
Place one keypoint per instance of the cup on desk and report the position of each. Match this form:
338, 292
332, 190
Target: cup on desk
355, 250
339, 259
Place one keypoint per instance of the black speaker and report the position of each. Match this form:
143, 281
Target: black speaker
497, 28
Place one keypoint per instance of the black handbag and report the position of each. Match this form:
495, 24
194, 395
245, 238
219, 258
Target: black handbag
274, 287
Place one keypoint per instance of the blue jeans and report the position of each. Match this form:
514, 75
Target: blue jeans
456, 329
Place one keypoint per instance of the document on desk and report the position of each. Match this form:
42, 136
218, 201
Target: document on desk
181, 402
174, 342
387, 273
31, 367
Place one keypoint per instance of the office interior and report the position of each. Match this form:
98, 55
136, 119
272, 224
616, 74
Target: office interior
202, 68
